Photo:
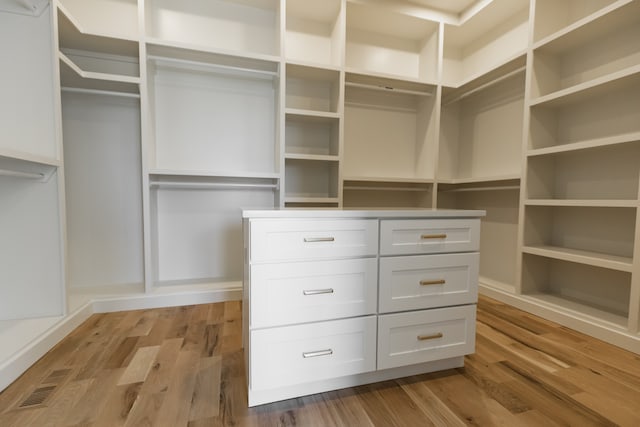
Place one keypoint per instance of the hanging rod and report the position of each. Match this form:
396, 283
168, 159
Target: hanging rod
496, 188
26, 175
100, 92
211, 185
373, 188
388, 89
214, 66
485, 85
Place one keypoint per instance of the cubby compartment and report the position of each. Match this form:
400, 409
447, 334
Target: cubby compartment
580, 290
311, 136
604, 173
481, 126
387, 194
594, 51
601, 236
27, 116
196, 227
312, 90
498, 228
554, 16
389, 129
244, 26
107, 18
495, 35
598, 114
103, 182
315, 32
212, 114
381, 41
311, 181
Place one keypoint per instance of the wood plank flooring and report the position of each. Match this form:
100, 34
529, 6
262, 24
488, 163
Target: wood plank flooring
183, 366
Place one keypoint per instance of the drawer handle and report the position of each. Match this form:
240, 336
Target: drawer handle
430, 337
318, 291
433, 236
309, 354
432, 282
319, 239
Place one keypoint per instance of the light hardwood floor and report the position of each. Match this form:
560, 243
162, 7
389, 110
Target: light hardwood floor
183, 366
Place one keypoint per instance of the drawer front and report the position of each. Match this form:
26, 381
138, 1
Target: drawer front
425, 236
278, 240
292, 355
298, 292
427, 281
425, 336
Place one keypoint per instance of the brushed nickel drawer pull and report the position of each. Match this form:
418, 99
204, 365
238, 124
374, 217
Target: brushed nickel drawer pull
319, 239
432, 282
318, 291
433, 236
309, 354
430, 337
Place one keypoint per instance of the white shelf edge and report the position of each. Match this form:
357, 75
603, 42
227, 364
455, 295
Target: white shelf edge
507, 177
310, 64
310, 200
198, 174
388, 179
389, 76
315, 157
596, 203
580, 23
476, 76
312, 113
21, 156
584, 88
97, 76
585, 145
596, 259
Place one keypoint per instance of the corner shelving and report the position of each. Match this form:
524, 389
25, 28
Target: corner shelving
315, 32
393, 44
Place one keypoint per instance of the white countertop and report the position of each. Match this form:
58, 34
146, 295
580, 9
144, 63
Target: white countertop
361, 213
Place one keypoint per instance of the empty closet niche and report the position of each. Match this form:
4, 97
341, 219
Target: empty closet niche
314, 32
553, 16
581, 290
608, 173
311, 182
91, 59
309, 136
381, 41
598, 50
312, 90
26, 83
31, 246
197, 227
247, 26
595, 115
111, 18
481, 126
600, 236
389, 129
498, 33
386, 194
212, 114
499, 227
103, 193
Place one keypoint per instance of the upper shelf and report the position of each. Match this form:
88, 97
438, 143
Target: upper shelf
26, 166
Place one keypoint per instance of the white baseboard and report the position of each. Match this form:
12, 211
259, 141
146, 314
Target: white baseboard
24, 358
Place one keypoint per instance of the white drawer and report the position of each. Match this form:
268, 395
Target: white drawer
292, 355
273, 240
426, 281
298, 292
424, 336
426, 236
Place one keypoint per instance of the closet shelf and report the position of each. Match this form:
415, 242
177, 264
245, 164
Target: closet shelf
200, 174
311, 200
314, 65
72, 76
595, 203
389, 179
382, 81
591, 27
566, 306
311, 113
618, 80
481, 179
25, 166
595, 259
313, 157
585, 145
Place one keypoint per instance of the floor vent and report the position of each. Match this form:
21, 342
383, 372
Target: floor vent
38, 396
